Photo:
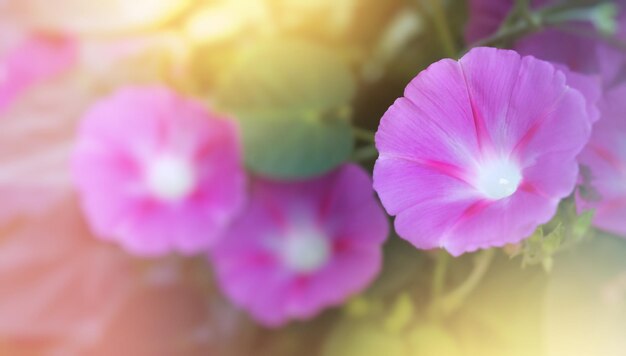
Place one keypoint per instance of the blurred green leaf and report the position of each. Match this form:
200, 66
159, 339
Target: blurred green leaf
567, 230
582, 224
540, 247
292, 99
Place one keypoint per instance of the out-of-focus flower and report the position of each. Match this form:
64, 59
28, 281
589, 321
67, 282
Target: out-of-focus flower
577, 52
302, 246
589, 85
479, 152
38, 125
605, 158
157, 172
35, 59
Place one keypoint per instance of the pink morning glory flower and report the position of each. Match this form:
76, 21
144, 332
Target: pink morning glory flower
36, 58
157, 172
302, 246
479, 152
605, 159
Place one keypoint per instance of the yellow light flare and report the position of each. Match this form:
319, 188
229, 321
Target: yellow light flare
99, 17
224, 21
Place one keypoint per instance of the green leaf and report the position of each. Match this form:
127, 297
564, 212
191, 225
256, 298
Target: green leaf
582, 224
292, 99
540, 248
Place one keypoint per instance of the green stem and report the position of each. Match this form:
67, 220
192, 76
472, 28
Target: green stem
452, 301
439, 276
532, 21
508, 33
364, 134
364, 154
525, 11
443, 28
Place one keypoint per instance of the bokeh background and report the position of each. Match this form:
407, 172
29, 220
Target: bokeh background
299, 74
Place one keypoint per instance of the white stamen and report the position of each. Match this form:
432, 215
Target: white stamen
305, 251
170, 178
498, 179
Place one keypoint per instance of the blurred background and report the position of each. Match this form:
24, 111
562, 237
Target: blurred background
342, 62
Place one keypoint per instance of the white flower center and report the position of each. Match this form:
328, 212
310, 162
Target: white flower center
170, 178
306, 251
498, 179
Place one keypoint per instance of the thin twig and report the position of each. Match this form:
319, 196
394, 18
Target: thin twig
452, 301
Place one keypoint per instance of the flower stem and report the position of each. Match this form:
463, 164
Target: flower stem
453, 300
508, 33
443, 28
363, 134
439, 275
529, 21
365, 153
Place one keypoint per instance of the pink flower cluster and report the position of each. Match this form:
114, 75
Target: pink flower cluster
478, 153
158, 173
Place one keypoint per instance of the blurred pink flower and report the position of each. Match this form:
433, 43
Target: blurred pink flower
300, 247
36, 58
479, 152
38, 125
605, 157
157, 173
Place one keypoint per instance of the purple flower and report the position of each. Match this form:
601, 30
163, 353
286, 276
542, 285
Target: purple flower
479, 152
605, 158
302, 246
156, 172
